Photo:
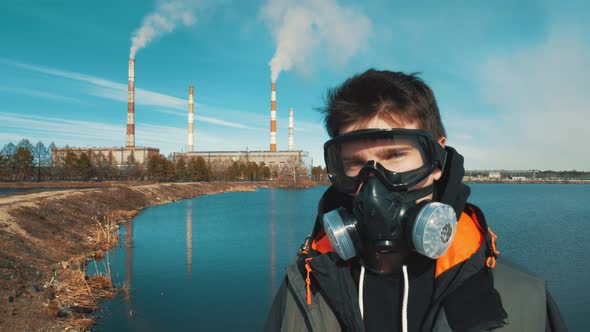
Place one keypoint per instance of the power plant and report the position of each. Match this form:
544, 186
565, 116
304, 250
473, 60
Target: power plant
270, 157
122, 156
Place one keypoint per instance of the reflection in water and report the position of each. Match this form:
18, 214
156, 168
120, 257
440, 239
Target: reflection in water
243, 253
272, 238
189, 238
128, 265
291, 223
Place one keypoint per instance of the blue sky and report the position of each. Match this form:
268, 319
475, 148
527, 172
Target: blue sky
511, 78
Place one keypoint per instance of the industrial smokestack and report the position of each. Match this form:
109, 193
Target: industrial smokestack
191, 118
273, 117
131, 105
290, 128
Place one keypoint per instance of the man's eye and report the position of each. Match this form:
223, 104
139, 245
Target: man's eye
397, 154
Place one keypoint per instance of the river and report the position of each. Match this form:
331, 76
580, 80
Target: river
213, 263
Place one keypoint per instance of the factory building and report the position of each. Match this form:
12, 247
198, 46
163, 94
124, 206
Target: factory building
269, 158
120, 156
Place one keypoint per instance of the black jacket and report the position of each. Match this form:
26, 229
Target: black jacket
319, 293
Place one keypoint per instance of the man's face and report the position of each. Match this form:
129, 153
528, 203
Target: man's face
400, 156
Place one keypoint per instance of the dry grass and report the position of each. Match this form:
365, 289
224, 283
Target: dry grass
77, 291
106, 227
79, 324
98, 255
77, 295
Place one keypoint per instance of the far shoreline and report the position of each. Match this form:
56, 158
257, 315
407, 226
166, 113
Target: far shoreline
101, 184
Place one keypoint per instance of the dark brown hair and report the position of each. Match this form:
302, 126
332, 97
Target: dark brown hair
384, 93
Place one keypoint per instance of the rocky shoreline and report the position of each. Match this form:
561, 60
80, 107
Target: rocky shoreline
47, 237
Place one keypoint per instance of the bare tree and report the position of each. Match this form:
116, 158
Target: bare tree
41, 154
295, 168
4, 163
23, 159
50, 150
8, 151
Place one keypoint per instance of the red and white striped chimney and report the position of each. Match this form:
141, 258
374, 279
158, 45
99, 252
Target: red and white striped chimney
191, 119
290, 128
131, 105
273, 117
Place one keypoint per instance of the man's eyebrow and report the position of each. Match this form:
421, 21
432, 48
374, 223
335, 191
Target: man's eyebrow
351, 156
395, 148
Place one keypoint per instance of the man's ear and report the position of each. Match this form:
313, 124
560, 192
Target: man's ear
437, 173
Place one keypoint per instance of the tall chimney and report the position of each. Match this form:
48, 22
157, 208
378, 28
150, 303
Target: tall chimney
131, 105
273, 117
191, 119
290, 128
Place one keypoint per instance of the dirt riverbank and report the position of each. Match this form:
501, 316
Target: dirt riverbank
46, 237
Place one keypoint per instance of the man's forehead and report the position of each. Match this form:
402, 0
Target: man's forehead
376, 145
383, 121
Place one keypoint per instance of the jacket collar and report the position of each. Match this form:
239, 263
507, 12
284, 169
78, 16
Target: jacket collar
465, 258
450, 189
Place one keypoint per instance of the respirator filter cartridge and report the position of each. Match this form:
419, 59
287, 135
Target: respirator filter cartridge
434, 229
336, 225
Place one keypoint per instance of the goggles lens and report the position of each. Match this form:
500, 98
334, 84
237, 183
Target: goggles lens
395, 154
405, 157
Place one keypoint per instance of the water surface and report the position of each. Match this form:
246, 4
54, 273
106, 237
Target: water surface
213, 263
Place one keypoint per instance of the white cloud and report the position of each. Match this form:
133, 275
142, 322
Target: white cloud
88, 134
201, 118
116, 91
163, 20
299, 27
66, 74
40, 94
109, 89
542, 101
142, 97
220, 122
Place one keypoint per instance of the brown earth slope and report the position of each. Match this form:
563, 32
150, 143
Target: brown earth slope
45, 238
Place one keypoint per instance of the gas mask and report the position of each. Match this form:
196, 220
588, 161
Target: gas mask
385, 217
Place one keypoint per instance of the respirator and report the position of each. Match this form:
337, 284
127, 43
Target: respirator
384, 216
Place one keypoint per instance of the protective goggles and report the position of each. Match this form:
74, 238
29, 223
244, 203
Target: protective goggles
400, 158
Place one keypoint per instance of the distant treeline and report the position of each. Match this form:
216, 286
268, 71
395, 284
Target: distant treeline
534, 174
25, 162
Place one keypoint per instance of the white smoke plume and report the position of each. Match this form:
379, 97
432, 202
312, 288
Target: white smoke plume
163, 20
300, 26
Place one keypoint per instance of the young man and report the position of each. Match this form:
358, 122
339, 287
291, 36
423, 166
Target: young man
396, 246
